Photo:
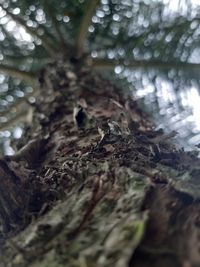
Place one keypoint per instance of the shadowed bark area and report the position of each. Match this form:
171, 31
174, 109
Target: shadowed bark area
11, 201
104, 187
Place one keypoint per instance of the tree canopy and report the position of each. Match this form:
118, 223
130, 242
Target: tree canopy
151, 45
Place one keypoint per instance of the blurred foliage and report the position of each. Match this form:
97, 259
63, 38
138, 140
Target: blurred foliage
152, 45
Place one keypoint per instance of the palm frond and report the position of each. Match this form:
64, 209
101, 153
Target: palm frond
85, 22
33, 32
23, 75
157, 64
49, 11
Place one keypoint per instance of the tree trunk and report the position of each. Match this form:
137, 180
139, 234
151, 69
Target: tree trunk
95, 185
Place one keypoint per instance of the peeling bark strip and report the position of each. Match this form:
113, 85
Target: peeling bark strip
126, 195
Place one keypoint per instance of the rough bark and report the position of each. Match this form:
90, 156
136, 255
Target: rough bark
95, 184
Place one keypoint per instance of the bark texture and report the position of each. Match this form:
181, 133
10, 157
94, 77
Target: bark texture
94, 183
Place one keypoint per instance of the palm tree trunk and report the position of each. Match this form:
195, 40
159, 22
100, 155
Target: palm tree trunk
98, 184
